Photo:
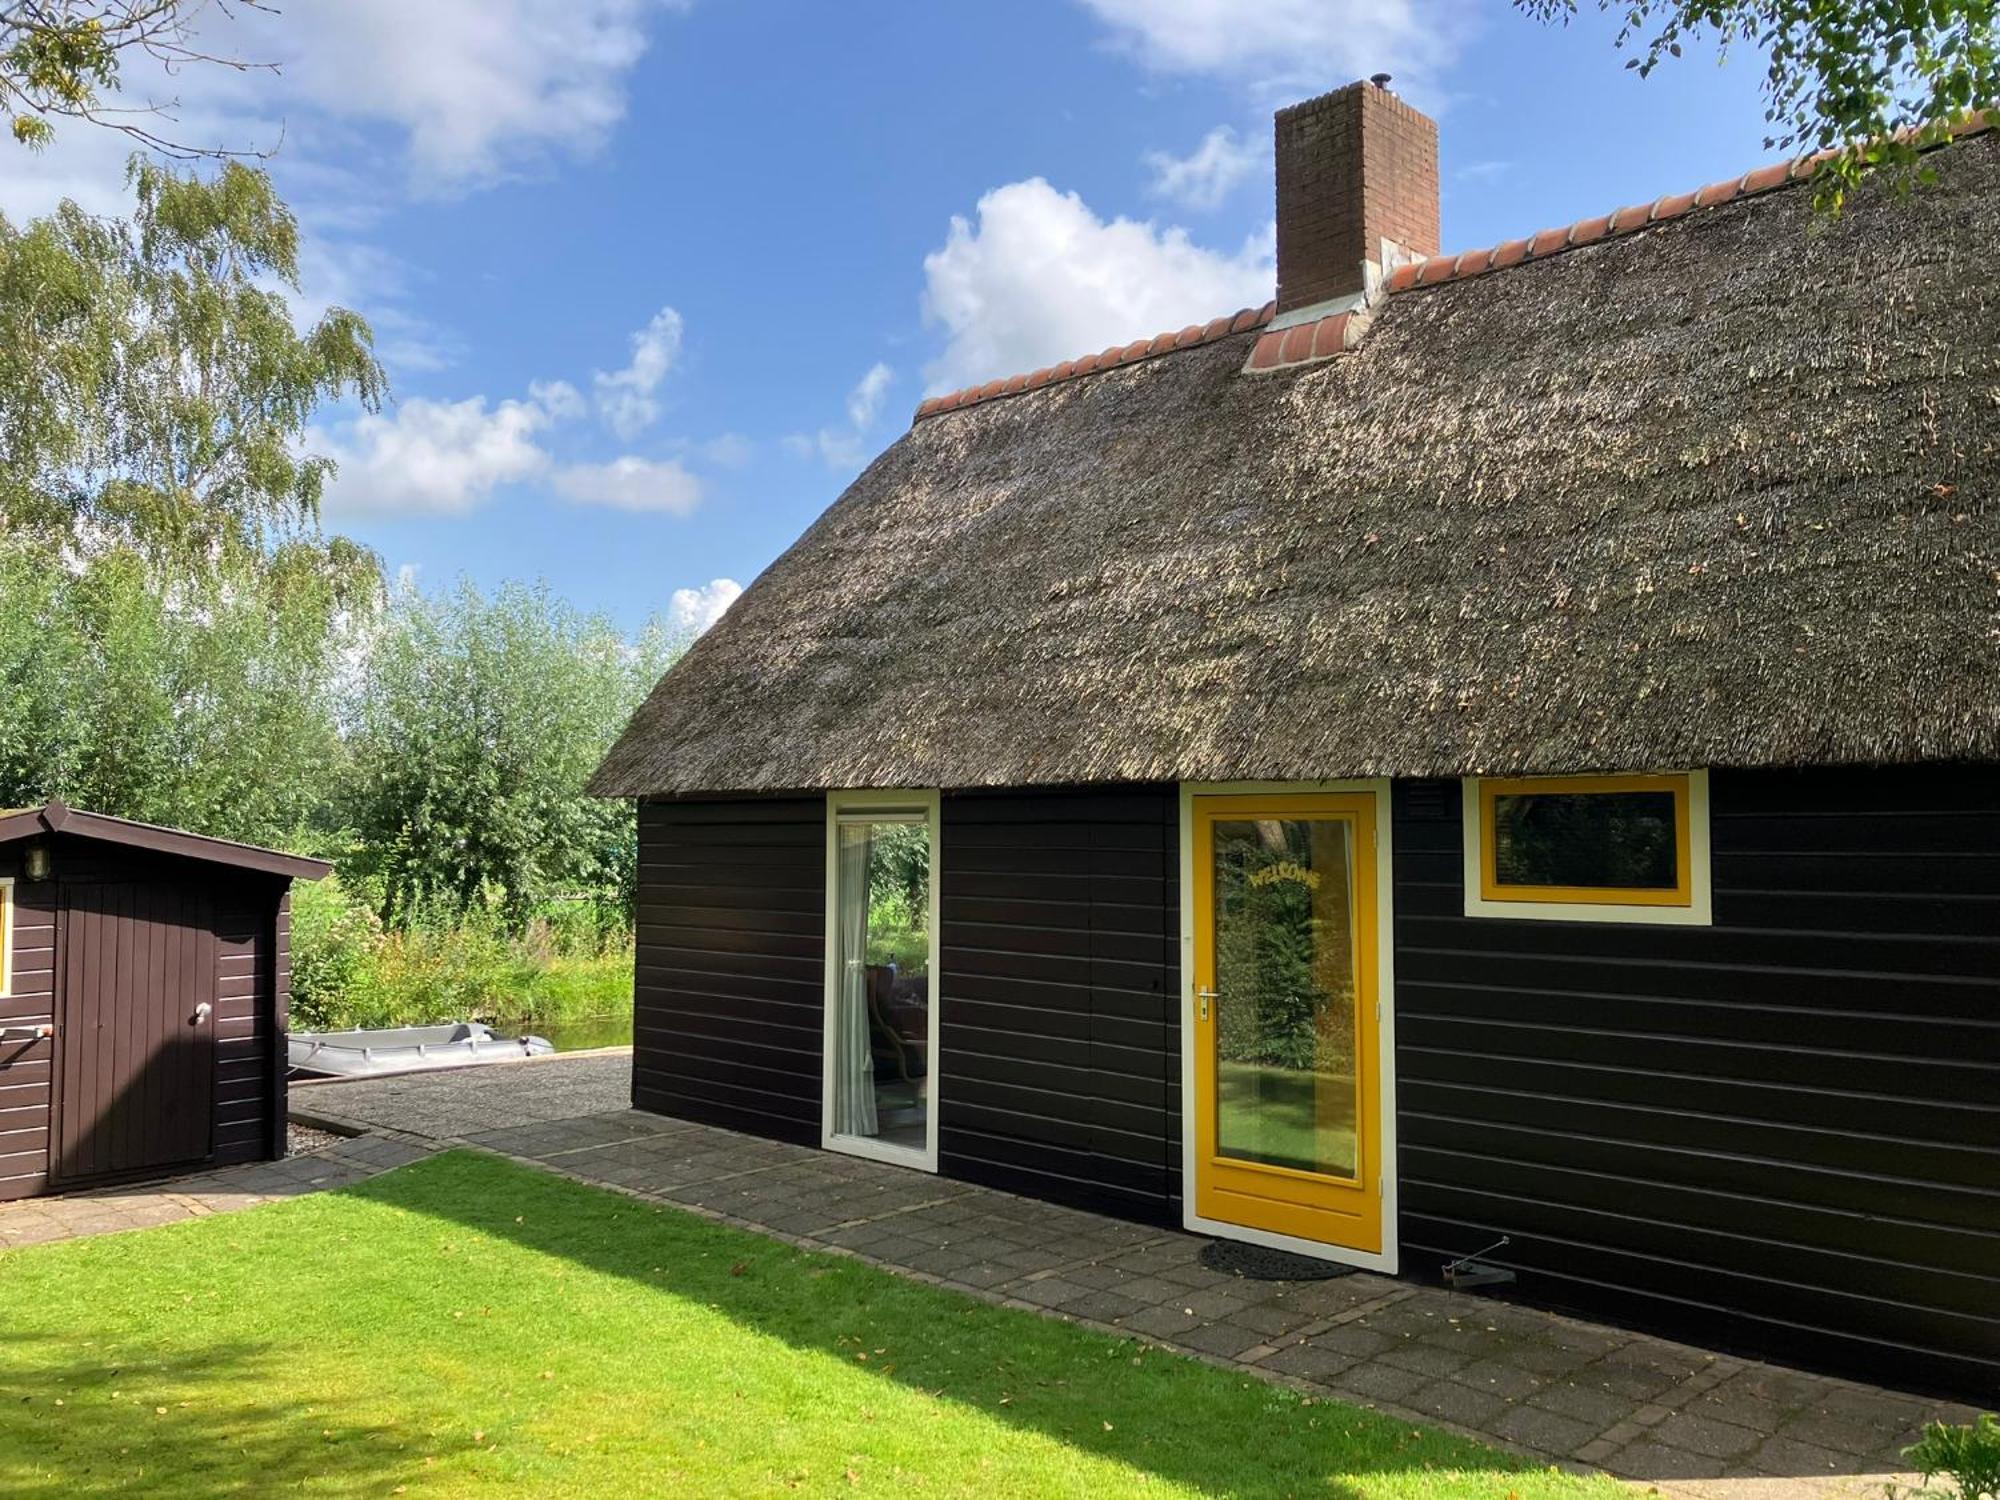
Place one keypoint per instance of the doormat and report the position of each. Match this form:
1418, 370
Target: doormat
1256, 1263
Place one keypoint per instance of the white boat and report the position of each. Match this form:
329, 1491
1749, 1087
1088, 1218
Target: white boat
407, 1049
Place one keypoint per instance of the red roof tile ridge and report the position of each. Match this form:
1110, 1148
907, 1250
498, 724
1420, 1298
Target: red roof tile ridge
1440, 269
1308, 343
1090, 364
1323, 338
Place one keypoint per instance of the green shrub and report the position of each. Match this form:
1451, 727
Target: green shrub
1968, 1456
334, 942
448, 974
571, 962
582, 928
580, 988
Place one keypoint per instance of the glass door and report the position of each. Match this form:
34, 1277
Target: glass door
881, 1031
1287, 1062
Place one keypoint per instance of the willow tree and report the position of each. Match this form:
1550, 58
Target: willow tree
474, 725
154, 388
171, 618
208, 706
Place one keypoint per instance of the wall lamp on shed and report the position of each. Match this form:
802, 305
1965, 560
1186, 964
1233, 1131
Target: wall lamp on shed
39, 862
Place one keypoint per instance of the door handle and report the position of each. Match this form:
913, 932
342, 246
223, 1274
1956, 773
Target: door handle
201, 1012
1202, 998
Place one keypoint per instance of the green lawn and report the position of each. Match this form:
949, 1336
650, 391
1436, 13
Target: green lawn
466, 1324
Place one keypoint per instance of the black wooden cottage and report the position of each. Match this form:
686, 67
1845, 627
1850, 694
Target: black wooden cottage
144, 980
1503, 745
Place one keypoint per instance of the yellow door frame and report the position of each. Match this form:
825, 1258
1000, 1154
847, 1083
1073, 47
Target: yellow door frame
1205, 1211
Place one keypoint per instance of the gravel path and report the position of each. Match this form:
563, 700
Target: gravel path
457, 1102
303, 1140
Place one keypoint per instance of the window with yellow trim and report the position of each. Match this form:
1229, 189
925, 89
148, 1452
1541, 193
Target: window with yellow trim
1602, 848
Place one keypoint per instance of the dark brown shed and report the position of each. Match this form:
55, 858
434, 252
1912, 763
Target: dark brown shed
144, 984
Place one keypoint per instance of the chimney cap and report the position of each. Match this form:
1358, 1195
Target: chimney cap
1380, 80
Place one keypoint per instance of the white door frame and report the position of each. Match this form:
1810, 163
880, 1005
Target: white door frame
1385, 949
837, 803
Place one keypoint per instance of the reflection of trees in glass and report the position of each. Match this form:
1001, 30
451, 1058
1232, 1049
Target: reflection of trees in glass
899, 864
899, 883
1621, 840
1284, 957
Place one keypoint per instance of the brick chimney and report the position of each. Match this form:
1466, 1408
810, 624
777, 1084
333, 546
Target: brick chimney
1357, 195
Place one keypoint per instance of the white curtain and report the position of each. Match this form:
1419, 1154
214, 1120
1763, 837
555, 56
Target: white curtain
853, 1057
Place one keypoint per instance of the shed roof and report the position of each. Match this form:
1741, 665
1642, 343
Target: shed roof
55, 817
1713, 487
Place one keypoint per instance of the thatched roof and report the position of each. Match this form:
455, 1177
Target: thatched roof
1724, 491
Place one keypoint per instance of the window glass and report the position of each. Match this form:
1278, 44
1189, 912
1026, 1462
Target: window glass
882, 995
1622, 840
1285, 993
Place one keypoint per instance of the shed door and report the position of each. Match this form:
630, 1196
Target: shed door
135, 1045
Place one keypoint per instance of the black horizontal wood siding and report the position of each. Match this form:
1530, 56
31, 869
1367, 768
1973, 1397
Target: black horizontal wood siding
1779, 1133
730, 984
1059, 983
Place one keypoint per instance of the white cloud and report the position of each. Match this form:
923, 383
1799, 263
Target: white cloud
731, 450
561, 400
846, 447
470, 91
477, 89
865, 400
692, 611
625, 397
432, 457
446, 457
370, 100
1202, 180
1295, 46
1040, 278
632, 483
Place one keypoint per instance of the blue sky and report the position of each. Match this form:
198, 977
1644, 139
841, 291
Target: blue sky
653, 281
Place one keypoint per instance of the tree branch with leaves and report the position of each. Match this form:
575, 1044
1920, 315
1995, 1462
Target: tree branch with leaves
60, 59
1875, 82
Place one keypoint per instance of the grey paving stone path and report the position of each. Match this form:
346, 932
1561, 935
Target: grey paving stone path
1686, 1421
330, 1162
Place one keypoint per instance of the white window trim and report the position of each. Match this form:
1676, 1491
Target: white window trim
1697, 913
1387, 1259
6, 936
837, 804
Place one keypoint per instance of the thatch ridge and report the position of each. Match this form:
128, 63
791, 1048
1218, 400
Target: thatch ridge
1722, 492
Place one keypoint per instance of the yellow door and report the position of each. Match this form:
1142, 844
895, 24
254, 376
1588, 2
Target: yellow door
1287, 1075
